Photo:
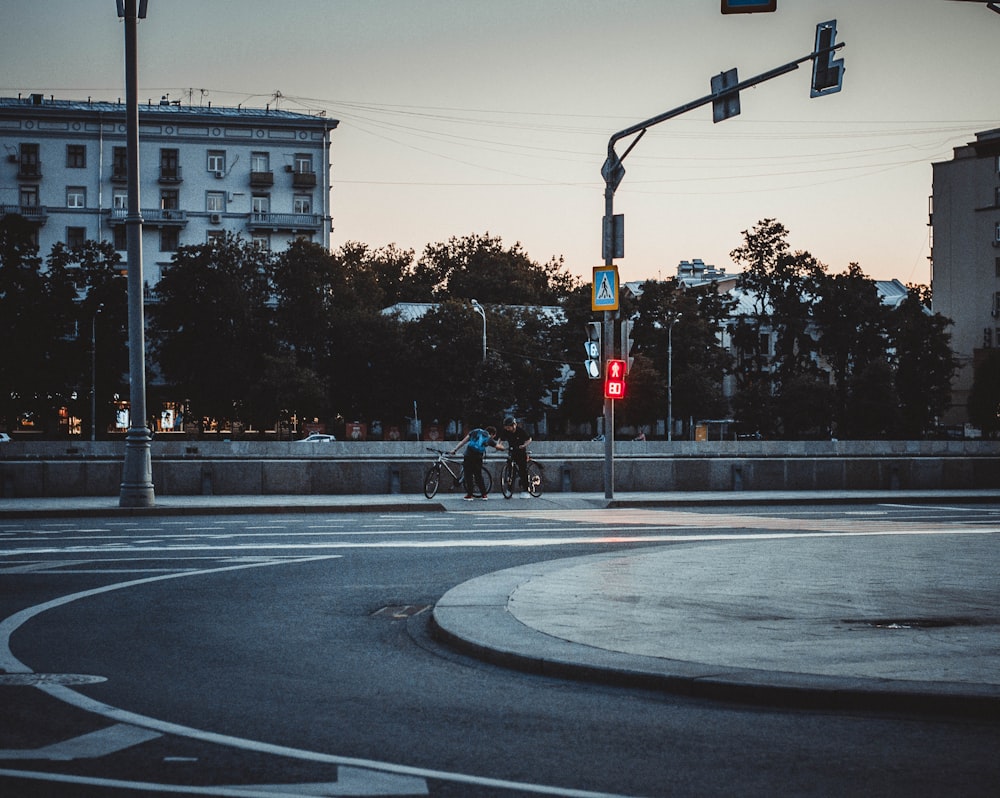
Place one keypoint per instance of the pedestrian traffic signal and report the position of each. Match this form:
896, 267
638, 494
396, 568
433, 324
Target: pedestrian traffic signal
614, 380
828, 72
593, 347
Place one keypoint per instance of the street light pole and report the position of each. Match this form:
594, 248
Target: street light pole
93, 373
670, 377
137, 471
482, 312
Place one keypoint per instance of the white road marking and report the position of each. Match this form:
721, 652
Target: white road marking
10, 664
87, 746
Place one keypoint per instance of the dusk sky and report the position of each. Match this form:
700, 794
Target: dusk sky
467, 116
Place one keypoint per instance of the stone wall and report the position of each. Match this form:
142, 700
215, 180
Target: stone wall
49, 468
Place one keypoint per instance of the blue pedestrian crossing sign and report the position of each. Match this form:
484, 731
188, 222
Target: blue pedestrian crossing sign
604, 292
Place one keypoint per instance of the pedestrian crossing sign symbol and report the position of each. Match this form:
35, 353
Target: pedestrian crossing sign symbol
604, 294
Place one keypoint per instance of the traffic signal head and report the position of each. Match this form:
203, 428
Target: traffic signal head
627, 345
614, 380
593, 348
828, 72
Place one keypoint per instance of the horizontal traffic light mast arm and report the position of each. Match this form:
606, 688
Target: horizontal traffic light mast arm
641, 127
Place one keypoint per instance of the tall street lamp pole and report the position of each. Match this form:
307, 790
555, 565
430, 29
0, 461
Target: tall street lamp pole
137, 470
482, 312
93, 373
670, 377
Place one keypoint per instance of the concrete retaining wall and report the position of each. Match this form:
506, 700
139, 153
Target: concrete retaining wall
49, 468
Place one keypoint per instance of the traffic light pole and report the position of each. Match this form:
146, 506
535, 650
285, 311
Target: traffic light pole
613, 172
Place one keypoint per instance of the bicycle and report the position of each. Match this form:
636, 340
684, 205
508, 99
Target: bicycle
448, 462
511, 475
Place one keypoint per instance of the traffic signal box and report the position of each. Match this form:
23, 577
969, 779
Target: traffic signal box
614, 380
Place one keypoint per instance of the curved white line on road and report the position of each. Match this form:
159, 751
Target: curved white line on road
11, 664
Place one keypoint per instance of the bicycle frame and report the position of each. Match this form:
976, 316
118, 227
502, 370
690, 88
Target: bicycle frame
446, 461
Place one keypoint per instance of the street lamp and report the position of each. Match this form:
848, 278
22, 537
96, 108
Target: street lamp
670, 377
137, 471
479, 309
93, 373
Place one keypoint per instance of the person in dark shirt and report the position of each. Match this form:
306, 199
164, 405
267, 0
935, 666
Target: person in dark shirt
517, 439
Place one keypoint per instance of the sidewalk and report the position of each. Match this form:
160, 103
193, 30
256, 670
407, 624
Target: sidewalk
889, 618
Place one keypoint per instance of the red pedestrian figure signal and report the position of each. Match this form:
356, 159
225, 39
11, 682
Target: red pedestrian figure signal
614, 380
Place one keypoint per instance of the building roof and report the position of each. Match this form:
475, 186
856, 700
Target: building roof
38, 104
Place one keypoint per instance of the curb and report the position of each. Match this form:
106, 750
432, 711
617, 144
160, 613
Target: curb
473, 618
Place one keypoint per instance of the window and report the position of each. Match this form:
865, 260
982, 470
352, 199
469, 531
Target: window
119, 199
260, 203
215, 237
303, 162
215, 201
119, 163
29, 196
217, 161
76, 156
169, 199
76, 197
121, 237
262, 241
996, 304
169, 165
260, 162
168, 240
29, 165
997, 266
75, 236
996, 232
302, 203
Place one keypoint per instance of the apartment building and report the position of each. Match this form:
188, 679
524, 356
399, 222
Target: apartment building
261, 173
965, 256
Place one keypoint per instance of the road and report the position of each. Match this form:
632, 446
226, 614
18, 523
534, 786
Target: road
291, 655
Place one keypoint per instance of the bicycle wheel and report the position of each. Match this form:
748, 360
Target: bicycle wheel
487, 481
534, 479
432, 481
507, 479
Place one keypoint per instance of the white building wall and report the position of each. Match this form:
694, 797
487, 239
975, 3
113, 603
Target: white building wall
288, 140
965, 225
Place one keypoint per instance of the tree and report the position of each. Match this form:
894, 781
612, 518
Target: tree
480, 267
781, 284
851, 326
40, 373
924, 362
984, 399
211, 328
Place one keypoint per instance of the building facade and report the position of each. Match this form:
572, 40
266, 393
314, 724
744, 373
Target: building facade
205, 171
965, 256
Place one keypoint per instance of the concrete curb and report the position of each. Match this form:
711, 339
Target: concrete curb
473, 618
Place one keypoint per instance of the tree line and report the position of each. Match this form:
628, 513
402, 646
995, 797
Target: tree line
240, 333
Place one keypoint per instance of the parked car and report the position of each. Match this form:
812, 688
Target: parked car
317, 437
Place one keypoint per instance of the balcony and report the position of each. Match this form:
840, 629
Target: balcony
36, 214
293, 222
261, 179
170, 174
151, 217
303, 179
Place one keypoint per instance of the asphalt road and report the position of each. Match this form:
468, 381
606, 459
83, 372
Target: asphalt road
243, 655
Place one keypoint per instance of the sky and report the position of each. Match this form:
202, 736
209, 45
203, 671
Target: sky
461, 117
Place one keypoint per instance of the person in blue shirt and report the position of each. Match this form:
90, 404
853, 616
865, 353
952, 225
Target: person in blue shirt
475, 443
